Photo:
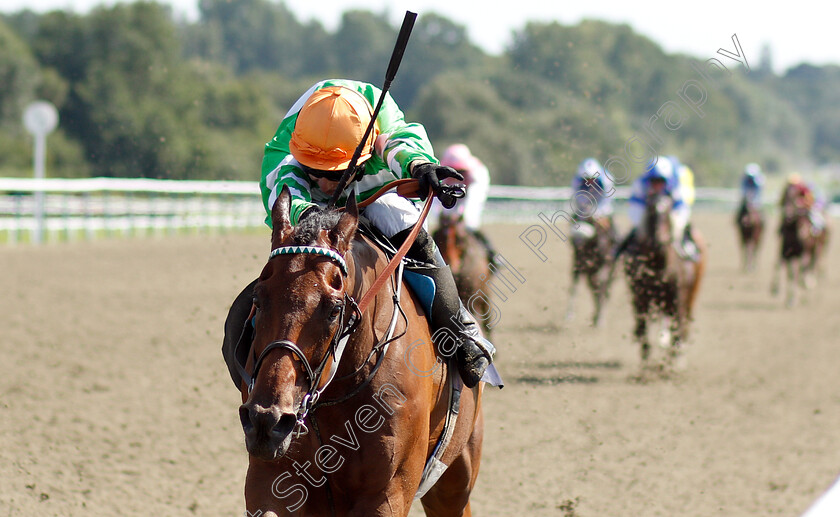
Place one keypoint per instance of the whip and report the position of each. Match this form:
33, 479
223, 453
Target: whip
396, 58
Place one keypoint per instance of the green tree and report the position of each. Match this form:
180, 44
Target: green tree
19, 75
437, 45
258, 34
815, 92
362, 45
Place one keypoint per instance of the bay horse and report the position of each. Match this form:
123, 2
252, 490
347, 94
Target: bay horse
802, 246
352, 435
467, 257
750, 223
662, 284
593, 241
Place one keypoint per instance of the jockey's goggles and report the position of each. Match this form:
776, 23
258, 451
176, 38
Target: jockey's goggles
330, 175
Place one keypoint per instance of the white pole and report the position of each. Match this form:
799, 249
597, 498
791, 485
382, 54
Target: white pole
40, 118
39, 159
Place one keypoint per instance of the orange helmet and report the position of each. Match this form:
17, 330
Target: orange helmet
330, 125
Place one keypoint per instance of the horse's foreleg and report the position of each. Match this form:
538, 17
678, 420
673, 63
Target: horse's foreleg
793, 271
450, 497
641, 335
777, 277
570, 310
745, 254
755, 243
808, 270
749, 256
598, 284
679, 330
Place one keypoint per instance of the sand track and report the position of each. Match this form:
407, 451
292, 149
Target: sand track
114, 399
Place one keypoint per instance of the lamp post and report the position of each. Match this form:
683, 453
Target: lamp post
40, 118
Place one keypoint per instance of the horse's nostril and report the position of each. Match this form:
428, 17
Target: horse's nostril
285, 425
245, 418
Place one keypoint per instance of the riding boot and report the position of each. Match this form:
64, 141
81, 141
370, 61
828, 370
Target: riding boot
622, 247
449, 318
687, 249
488, 246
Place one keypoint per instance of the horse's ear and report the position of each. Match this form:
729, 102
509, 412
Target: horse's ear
281, 225
342, 234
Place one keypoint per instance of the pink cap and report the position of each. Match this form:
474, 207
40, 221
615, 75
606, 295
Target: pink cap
459, 157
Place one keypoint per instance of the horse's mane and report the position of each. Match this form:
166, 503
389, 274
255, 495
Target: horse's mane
308, 230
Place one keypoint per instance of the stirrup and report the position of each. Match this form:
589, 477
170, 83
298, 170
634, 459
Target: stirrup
471, 330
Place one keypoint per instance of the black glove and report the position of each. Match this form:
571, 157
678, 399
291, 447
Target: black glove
430, 174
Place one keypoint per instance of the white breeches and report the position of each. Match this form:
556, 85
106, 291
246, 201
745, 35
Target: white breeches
393, 213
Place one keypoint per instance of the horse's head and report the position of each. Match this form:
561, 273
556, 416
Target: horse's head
301, 307
450, 218
656, 226
452, 236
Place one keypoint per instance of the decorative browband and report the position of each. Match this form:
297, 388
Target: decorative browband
314, 250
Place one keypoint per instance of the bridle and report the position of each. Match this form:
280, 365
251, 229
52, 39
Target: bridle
337, 344
339, 340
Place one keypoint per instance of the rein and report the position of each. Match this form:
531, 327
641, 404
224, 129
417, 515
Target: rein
405, 187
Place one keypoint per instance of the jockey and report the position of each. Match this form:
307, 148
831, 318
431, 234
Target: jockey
803, 195
590, 178
685, 178
752, 182
663, 177
477, 181
313, 147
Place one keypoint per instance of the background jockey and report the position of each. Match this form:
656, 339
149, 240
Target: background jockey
590, 178
685, 178
477, 181
313, 147
805, 196
661, 176
752, 184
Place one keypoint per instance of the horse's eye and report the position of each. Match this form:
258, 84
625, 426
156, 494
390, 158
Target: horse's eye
256, 302
336, 310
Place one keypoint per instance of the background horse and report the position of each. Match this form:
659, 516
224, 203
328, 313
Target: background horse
358, 445
467, 257
593, 242
661, 283
750, 223
801, 248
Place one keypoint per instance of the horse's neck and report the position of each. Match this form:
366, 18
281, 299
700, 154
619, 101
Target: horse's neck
655, 234
366, 262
